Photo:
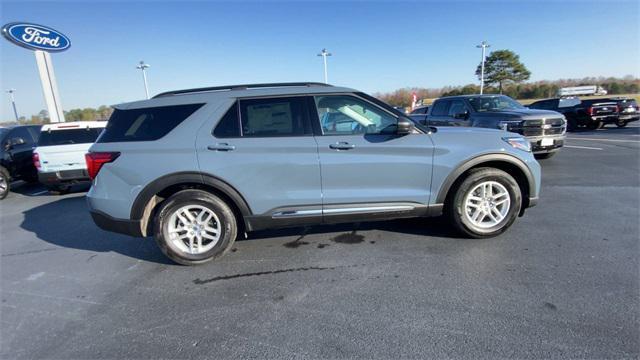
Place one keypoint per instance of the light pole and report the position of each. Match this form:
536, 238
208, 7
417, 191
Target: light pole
324, 53
144, 68
484, 45
13, 102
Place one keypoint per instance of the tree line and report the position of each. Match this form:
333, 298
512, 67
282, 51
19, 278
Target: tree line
102, 113
533, 90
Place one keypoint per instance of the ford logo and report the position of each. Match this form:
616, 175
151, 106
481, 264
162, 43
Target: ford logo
36, 37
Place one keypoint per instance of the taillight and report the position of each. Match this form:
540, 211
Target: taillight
36, 160
590, 111
95, 160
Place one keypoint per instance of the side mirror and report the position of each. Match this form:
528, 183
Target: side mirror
405, 126
14, 142
461, 115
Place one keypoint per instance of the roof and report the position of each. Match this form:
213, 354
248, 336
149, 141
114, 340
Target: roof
74, 125
219, 93
470, 96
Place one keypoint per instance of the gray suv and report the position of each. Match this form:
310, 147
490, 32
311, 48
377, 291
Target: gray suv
195, 168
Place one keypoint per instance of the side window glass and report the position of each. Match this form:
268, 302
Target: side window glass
440, 108
23, 134
229, 125
275, 117
457, 107
349, 115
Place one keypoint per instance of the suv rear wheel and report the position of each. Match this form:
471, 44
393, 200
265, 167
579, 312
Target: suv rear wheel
485, 204
194, 226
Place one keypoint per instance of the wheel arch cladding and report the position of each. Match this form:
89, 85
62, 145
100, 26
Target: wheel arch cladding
507, 163
151, 196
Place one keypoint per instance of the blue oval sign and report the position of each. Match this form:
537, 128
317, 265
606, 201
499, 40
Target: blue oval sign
36, 37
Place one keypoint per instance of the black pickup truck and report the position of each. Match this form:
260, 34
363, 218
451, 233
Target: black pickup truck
545, 130
590, 113
16, 149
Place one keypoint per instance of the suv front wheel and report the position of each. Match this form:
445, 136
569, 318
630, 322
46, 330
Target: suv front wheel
485, 204
194, 226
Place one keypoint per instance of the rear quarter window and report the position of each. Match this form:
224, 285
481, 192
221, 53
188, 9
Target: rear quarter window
146, 124
69, 136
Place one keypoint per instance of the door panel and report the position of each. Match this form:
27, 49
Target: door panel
378, 168
362, 158
268, 171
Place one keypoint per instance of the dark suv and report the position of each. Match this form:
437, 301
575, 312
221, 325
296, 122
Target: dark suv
16, 147
545, 130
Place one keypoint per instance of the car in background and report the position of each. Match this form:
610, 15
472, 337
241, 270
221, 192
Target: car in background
59, 155
545, 130
589, 113
16, 147
419, 114
402, 109
628, 111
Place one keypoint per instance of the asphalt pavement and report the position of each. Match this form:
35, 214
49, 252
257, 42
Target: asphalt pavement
563, 282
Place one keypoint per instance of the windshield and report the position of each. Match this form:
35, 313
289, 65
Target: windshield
494, 103
68, 137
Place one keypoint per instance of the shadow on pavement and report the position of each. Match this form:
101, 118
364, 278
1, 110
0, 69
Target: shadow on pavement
67, 223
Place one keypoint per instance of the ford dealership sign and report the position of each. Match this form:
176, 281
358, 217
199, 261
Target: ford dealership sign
36, 37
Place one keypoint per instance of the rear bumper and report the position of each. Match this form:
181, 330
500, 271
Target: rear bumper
63, 177
121, 226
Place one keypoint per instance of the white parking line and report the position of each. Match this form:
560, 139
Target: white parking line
595, 139
582, 147
39, 193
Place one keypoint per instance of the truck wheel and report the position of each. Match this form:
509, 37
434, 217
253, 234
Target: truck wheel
621, 123
594, 125
485, 204
5, 183
545, 155
193, 226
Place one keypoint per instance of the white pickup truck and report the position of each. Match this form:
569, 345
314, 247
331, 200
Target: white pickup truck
59, 155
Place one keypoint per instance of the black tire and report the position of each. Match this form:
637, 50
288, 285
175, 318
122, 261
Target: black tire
572, 125
621, 123
594, 125
545, 155
5, 183
59, 189
228, 225
455, 203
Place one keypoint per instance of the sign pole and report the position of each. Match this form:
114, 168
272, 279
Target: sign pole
49, 86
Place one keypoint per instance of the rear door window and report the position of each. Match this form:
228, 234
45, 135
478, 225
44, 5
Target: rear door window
440, 108
146, 124
69, 136
285, 116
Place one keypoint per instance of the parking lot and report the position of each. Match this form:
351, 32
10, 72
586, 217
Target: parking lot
562, 282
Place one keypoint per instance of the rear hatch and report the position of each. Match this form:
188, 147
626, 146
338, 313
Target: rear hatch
64, 150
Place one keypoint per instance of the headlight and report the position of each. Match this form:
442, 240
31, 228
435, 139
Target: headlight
508, 125
518, 143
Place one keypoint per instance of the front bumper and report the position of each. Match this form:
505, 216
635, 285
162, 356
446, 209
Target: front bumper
537, 147
63, 177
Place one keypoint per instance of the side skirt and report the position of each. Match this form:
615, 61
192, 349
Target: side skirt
338, 213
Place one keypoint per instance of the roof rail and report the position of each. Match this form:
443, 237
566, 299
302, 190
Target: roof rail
238, 87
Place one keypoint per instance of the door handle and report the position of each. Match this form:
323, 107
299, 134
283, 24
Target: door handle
221, 147
342, 146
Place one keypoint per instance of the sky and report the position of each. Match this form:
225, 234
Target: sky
375, 46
